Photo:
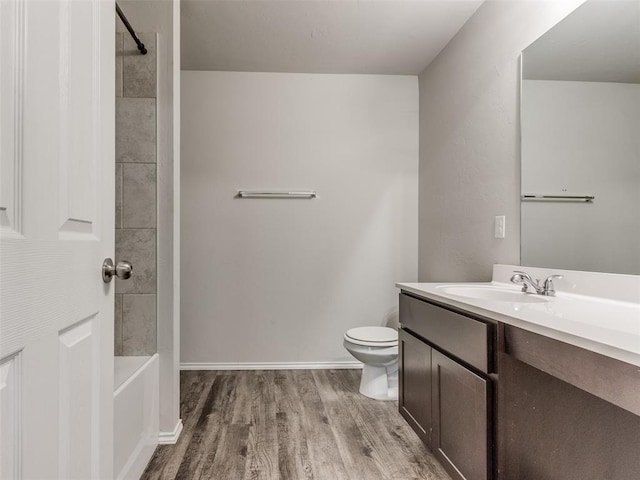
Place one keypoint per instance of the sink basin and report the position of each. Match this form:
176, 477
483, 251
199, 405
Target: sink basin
492, 292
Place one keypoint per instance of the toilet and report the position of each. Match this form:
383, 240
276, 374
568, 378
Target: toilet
377, 349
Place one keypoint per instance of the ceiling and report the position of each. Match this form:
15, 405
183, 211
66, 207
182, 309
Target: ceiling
598, 42
312, 36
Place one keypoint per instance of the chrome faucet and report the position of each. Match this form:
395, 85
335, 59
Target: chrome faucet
528, 283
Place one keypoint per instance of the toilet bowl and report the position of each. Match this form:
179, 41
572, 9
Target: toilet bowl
377, 349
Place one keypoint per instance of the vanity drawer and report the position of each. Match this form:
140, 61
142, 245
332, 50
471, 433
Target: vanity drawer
464, 337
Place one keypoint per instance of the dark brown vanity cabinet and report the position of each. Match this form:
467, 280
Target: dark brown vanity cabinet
460, 418
445, 388
565, 413
414, 383
558, 411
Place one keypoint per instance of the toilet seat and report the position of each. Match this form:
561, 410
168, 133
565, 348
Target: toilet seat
372, 336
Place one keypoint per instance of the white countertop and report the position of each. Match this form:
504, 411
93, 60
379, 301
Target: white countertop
602, 325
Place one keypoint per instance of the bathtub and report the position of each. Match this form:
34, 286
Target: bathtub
136, 415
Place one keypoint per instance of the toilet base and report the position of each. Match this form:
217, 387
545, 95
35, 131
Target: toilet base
380, 383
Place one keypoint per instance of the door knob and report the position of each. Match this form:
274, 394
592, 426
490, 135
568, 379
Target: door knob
122, 270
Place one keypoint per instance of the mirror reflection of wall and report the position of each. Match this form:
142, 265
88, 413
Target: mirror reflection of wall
580, 120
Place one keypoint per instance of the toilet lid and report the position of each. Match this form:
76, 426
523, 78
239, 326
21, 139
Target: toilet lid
383, 336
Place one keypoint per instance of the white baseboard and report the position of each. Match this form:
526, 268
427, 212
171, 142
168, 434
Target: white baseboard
272, 366
170, 438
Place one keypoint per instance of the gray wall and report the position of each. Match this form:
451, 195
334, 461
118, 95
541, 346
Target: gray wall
135, 299
159, 16
469, 141
277, 281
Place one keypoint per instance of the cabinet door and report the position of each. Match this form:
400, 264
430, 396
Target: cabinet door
460, 419
415, 383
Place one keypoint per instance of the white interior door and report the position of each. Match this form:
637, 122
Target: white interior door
57, 224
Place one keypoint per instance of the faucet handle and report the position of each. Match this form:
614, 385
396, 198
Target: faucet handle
548, 287
551, 278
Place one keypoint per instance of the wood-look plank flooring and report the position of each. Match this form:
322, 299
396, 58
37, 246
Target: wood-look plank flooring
289, 425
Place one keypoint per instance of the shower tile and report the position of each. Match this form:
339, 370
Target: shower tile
139, 324
137, 246
118, 195
135, 130
119, 56
117, 333
138, 195
139, 79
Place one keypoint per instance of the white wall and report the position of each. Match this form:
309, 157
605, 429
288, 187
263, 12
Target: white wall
282, 280
469, 141
582, 138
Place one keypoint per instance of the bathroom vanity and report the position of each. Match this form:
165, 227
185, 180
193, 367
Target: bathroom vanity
502, 384
445, 391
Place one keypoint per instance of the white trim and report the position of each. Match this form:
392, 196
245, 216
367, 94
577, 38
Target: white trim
170, 438
173, 411
272, 366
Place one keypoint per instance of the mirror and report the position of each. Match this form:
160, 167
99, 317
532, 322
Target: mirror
580, 126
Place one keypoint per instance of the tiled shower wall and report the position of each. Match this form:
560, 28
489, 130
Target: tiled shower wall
136, 198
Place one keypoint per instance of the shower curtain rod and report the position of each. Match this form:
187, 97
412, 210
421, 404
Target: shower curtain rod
140, 45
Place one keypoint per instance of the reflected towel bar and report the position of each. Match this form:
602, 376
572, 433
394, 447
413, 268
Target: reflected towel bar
275, 194
529, 197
